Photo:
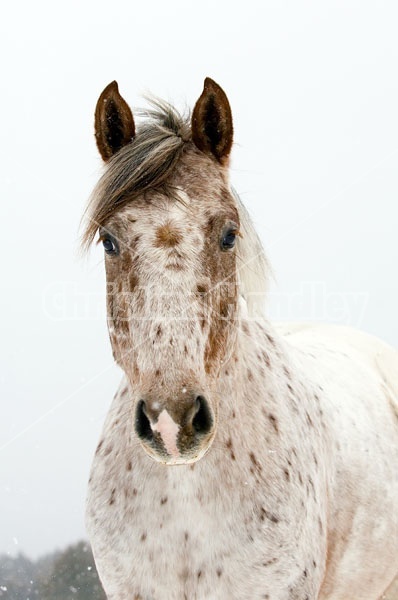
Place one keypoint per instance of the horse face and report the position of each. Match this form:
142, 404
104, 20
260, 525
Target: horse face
172, 302
170, 263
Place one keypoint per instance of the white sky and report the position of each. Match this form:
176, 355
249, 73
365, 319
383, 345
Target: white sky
314, 93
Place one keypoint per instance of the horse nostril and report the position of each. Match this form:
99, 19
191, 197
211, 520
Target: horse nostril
202, 421
142, 424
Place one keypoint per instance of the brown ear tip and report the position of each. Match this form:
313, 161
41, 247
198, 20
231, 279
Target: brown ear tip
111, 88
210, 83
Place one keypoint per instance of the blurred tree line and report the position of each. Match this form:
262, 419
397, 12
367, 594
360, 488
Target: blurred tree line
67, 575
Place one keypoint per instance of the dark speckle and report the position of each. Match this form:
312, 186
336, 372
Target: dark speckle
265, 513
256, 464
269, 562
274, 422
230, 448
143, 536
163, 500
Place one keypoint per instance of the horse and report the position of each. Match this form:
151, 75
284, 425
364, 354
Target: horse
239, 460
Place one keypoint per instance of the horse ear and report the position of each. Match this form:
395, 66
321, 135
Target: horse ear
114, 122
212, 130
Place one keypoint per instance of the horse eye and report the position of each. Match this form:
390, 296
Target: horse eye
228, 238
110, 245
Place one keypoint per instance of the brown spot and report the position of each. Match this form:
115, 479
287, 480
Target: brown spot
265, 357
287, 474
201, 290
309, 419
219, 572
108, 450
186, 536
199, 574
274, 422
224, 309
143, 536
266, 514
255, 462
271, 517
269, 562
230, 448
112, 498
133, 281
129, 466
163, 500
167, 236
159, 331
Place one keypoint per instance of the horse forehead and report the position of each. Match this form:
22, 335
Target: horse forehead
181, 209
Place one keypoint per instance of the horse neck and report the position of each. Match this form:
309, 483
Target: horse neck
259, 358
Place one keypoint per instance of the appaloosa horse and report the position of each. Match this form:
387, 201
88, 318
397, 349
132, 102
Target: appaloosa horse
239, 460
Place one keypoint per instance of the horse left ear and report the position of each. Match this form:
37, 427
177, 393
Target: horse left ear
212, 129
114, 122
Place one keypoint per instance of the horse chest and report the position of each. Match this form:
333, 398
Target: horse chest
197, 535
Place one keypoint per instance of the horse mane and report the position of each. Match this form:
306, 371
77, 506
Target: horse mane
147, 163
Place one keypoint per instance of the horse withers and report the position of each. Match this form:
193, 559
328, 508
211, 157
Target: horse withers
239, 460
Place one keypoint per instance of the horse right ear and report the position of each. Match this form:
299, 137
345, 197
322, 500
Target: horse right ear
212, 129
114, 122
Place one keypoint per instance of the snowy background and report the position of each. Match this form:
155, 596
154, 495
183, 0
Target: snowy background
314, 93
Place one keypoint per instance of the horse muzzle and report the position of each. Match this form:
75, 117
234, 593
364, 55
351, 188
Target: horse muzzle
178, 432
